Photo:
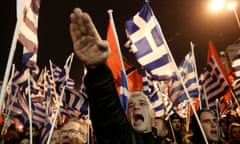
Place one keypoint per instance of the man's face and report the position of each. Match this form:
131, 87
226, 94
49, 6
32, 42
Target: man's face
210, 126
34, 132
177, 125
72, 133
236, 133
160, 126
139, 114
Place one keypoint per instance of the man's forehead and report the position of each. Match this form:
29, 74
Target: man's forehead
71, 125
207, 115
137, 99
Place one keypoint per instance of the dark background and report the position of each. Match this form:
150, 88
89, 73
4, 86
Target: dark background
182, 21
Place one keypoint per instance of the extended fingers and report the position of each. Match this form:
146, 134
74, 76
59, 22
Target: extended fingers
74, 31
85, 23
90, 27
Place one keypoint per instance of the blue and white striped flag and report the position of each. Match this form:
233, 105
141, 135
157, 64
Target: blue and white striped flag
124, 93
148, 44
29, 27
160, 102
236, 66
236, 74
189, 76
213, 82
177, 93
59, 75
45, 133
76, 100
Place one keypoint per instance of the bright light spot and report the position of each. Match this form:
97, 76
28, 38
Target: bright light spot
20, 127
217, 4
231, 5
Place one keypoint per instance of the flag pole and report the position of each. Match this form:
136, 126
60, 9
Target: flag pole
110, 12
195, 68
174, 137
88, 123
30, 107
69, 61
12, 101
179, 76
205, 97
218, 115
10, 57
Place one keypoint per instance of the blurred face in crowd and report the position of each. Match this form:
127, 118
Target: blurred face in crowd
73, 133
55, 136
11, 136
235, 133
161, 127
177, 125
224, 126
139, 112
34, 131
210, 126
25, 141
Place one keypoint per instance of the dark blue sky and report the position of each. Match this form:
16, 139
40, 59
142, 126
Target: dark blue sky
182, 21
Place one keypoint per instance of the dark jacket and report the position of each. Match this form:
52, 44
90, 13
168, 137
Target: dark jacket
108, 118
195, 139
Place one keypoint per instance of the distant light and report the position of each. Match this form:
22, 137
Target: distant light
217, 5
231, 5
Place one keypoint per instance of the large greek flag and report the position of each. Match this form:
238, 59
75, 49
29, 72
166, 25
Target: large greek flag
148, 43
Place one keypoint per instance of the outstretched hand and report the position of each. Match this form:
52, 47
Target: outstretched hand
87, 43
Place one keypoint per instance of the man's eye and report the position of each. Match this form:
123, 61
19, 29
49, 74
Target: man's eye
130, 105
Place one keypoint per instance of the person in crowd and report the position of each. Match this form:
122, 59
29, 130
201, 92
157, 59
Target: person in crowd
231, 117
75, 131
223, 127
12, 136
177, 126
55, 135
209, 125
110, 122
61, 119
234, 133
162, 129
25, 141
35, 133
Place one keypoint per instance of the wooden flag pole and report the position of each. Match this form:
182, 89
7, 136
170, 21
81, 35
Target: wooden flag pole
179, 76
30, 107
10, 58
69, 62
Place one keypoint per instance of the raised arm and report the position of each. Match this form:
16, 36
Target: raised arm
108, 118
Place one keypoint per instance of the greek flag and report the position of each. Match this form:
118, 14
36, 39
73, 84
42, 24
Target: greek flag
189, 77
29, 9
178, 96
159, 101
236, 66
148, 44
213, 82
236, 74
124, 93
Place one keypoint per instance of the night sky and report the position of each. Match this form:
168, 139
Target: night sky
182, 21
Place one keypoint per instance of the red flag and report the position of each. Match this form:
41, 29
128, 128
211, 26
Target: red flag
134, 81
114, 61
213, 52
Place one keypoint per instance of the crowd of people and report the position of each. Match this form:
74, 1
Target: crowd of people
110, 124
154, 130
